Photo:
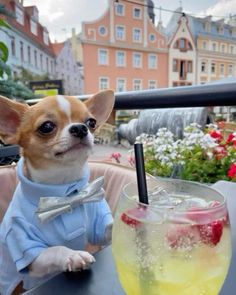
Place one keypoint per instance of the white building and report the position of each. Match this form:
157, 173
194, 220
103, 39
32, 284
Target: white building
67, 68
182, 52
28, 41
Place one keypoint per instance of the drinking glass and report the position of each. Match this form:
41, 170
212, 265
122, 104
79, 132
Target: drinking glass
179, 244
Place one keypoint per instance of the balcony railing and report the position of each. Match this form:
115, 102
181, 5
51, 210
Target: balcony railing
208, 95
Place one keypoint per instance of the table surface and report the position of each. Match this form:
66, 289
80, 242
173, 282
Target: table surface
102, 277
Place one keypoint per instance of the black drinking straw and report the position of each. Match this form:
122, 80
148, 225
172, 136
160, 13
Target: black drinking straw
145, 274
140, 170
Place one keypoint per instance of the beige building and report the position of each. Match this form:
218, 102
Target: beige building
216, 50
211, 45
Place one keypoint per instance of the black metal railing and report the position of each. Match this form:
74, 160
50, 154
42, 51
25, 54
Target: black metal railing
208, 95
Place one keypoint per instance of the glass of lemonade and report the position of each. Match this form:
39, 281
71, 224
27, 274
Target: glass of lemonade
179, 244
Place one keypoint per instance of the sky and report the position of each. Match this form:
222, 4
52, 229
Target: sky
62, 15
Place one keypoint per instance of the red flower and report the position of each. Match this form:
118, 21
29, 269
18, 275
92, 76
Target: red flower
220, 152
216, 134
232, 171
116, 156
231, 139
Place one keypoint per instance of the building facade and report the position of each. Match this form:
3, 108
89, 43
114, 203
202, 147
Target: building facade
210, 45
182, 55
123, 50
67, 69
28, 41
216, 49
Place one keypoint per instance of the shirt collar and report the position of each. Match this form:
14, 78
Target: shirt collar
34, 191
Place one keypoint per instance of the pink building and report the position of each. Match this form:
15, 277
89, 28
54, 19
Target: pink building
123, 50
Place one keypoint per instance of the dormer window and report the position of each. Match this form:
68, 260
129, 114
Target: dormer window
207, 27
19, 15
33, 27
220, 30
45, 37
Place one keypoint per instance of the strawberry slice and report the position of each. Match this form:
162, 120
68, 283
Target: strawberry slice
131, 217
204, 229
211, 233
182, 236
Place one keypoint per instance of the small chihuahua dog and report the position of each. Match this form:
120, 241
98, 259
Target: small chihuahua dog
56, 138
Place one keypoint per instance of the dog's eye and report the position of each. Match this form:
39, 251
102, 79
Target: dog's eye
91, 123
46, 128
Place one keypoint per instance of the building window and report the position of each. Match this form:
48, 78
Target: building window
207, 27
47, 65
19, 15
137, 84
230, 70
33, 27
120, 85
182, 43
137, 35
213, 68
222, 69
35, 58
13, 46
152, 61
29, 54
120, 58
137, 13
21, 51
103, 83
120, 32
220, 30
231, 49
119, 9
137, 60
190, 66
102, 31
45, 38
222, 48
175, 65
51, 66
102, 56
152, 84
204, 45
152, 38
41, 61
214, 46
203, 67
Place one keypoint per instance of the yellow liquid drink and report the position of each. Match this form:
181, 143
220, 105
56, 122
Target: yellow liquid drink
172, 250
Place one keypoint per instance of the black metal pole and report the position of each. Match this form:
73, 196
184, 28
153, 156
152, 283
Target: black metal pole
188, 96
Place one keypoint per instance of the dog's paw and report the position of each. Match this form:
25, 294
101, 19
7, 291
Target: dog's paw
78, 260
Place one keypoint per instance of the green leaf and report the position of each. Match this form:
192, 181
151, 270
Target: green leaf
4, 24
3, 52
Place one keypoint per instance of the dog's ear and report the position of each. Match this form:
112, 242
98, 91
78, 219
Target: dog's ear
11, 114
101, 105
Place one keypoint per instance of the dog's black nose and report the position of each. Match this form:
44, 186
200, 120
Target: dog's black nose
79, 130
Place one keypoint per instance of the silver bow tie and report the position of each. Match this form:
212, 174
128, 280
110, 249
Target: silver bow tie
51, 207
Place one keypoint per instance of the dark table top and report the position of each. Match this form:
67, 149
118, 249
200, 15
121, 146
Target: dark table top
102, 277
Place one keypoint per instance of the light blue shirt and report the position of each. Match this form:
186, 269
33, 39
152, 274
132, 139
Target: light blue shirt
23, 237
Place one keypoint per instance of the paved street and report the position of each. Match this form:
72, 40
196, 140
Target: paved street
103, 151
